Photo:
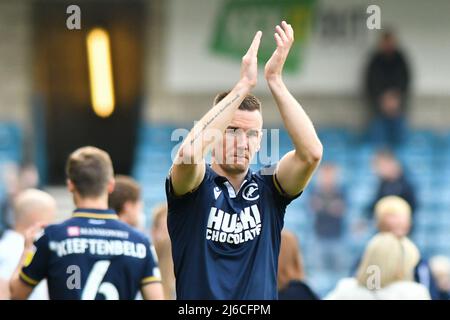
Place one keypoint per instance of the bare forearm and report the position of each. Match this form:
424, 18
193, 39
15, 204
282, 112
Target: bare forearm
296, 167
298, 124
18, 289
211, 126
188, 169
153, 291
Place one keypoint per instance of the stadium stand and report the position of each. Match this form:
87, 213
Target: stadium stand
425, 155
10, 149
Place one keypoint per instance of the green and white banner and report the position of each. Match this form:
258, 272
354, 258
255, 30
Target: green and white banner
238, 21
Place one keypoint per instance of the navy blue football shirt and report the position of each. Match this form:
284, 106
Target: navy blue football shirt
92, 255
226, 245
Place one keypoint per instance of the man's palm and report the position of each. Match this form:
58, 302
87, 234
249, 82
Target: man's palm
249, 66
284, 37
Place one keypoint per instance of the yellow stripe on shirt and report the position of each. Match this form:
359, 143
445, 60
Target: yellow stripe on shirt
95, 215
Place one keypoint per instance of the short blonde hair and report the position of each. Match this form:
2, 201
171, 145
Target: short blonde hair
391, 205
395, 257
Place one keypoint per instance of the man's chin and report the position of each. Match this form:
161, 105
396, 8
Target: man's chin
235, 168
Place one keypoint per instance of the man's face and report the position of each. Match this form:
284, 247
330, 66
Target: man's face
328, 177
388, 44
132, 213
240, 142
387, 168
398, 224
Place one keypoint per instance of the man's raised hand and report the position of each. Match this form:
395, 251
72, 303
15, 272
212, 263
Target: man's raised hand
249, 66
284, 37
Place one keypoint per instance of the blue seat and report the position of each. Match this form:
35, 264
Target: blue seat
421, 139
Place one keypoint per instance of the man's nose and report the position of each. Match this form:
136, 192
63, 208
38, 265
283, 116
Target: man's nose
242, 141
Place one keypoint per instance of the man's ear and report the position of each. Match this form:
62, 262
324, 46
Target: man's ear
261, 132
127, 206
259, 141
70, 185
111, 185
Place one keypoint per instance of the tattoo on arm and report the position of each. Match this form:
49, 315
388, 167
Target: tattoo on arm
207, 123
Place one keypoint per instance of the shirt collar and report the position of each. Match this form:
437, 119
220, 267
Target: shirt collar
95, 213
221, 180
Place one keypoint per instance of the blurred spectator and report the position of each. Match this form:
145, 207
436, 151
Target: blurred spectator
16, 180
31, 206
29, 177
393, 214
387, 89
440, 268
161, 240
392, 180
385, 273
291, 273
10, 178
126, 201
328, 204
389, 128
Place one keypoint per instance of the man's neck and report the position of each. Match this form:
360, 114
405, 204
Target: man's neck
92, 203
125, 219
235, 179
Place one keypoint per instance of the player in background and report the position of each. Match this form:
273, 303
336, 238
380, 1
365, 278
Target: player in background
92, 255
126, 201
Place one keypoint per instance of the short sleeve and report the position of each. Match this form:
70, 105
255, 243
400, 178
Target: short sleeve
36, 264
173, 199
268, 175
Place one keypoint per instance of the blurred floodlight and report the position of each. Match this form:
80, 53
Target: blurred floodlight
100, 72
